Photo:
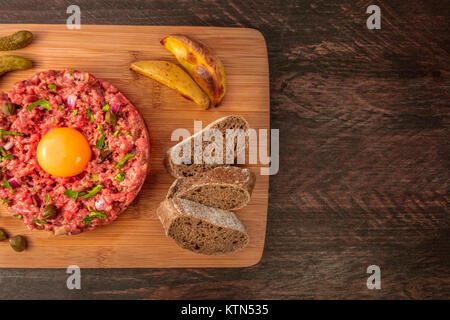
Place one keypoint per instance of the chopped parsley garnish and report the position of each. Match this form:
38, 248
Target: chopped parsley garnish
60, 106
47, 198
75, 112
11, 133
87, 220
129, 134
101, 141
7, 185
93, 214
86, 195
18, 216
5, 200
39, 222
5, 155
105, 107
71, 71
43, 103
120, 176
92, 192
125, 158
71, 194
52, 86
116, 133
88, 111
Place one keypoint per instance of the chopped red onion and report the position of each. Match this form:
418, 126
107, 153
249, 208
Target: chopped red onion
114, 107
100, 204
13, 183
71, 101
8, 145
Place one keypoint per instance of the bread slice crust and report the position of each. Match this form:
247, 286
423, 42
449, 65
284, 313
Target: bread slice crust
202, 229
186, 170
227, 188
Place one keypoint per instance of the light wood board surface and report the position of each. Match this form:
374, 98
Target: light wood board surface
137, 238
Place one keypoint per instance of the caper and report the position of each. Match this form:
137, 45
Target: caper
111, 118
2, 235
49, 212
105, 154
9, 108
18, 243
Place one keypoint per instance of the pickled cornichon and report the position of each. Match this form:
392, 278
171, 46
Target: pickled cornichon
12, 63
18, 243
16, 41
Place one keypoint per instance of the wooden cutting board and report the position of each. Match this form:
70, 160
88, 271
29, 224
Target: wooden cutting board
137, 238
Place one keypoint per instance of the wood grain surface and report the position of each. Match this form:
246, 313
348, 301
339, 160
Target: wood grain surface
137, 238
364, 166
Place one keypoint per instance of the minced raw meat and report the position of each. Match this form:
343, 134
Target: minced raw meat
75, 90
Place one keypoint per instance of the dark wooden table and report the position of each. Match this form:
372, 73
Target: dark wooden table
364, 147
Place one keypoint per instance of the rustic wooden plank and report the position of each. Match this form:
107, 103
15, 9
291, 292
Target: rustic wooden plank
137, 238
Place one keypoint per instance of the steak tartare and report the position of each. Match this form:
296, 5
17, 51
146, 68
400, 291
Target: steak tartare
118, 158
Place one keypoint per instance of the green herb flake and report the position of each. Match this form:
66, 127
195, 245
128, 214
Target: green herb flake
71, 194
98, 214
52, 86
5, 155
129, 134
105, 107
5, 200
7, 185
18, 216
93, 214
120, 176
11, 133
91, 116
43, 103
39, 223
71, 71
47, 198
75, 112
92, 192
60, 106
125, 158
116, 133
87, 220
101, 141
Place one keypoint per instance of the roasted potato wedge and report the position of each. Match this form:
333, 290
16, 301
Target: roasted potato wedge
201, 63
174, 77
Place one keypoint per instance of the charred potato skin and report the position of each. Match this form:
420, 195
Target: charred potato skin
201, 63
174, 77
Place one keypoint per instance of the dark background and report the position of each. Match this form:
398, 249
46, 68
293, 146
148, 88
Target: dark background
364, 152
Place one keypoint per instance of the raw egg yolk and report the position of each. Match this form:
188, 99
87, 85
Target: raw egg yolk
63, 152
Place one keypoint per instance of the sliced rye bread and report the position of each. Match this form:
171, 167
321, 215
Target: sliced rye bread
187, 170
202, 229
227, 188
